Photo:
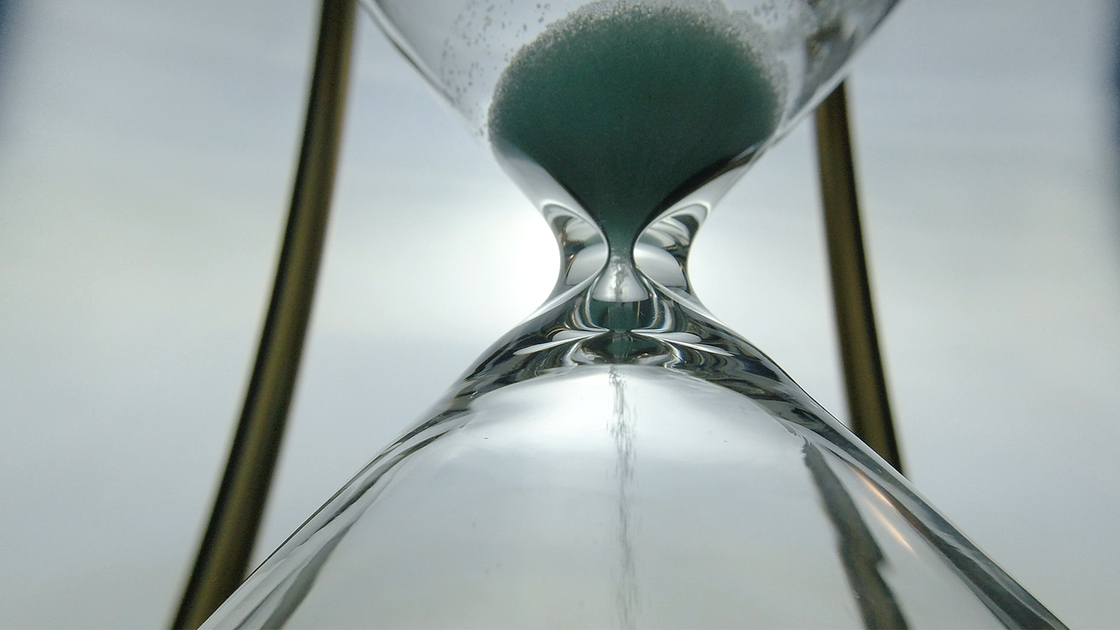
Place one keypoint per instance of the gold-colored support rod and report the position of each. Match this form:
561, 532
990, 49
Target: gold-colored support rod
223, 556
865, 382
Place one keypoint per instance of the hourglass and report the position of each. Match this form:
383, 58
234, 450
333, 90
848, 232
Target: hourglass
621, 458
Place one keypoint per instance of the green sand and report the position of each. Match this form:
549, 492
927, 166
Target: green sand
632, 108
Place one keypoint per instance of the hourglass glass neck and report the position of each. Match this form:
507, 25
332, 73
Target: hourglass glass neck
618, 300
623, 277
611, 120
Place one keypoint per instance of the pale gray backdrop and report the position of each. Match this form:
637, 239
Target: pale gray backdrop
146, 152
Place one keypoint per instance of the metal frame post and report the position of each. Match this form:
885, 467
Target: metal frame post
224, 554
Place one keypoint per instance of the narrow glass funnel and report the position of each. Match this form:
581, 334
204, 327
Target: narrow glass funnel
622, 459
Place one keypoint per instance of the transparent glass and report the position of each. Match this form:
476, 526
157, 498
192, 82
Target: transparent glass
621, 458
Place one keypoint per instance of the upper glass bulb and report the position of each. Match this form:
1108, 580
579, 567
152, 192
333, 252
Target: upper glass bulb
465, 47
628, 106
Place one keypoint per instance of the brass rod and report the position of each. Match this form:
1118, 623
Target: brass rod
865, 382
224, 554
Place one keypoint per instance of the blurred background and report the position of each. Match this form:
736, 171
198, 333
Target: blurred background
146, 155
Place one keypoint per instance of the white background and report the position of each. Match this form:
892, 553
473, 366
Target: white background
146, 152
